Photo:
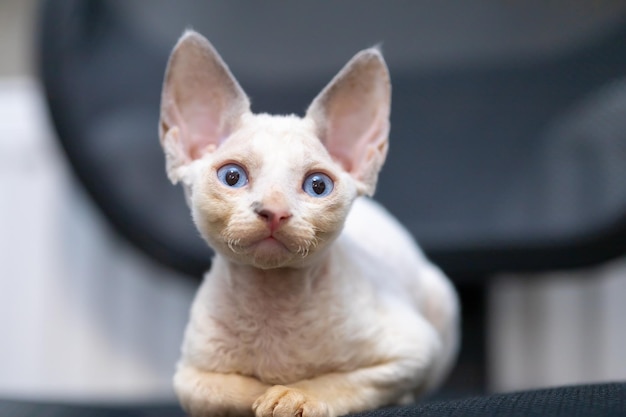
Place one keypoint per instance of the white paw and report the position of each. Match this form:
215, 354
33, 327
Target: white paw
281, 401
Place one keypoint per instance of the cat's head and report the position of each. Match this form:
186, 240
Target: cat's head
271, 191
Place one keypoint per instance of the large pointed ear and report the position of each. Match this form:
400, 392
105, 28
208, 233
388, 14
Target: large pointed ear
201, 103
351, 116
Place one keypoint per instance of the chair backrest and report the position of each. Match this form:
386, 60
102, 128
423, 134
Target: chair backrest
508, 140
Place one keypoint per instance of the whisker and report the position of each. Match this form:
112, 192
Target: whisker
231, 244
307, 244
303, 250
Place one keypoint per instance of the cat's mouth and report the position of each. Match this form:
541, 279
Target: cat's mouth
271, 242
271, 245
270, 251
265, 242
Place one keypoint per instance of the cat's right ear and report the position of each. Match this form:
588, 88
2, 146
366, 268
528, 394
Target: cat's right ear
201, 103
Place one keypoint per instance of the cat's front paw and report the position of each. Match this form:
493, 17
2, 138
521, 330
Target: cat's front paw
281, 401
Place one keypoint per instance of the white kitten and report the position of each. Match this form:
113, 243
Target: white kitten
318, 302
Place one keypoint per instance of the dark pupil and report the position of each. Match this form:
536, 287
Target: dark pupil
232, 177
318, 185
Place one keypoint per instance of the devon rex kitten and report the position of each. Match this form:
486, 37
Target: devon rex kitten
318, 303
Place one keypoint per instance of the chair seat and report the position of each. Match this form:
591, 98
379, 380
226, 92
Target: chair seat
599, 400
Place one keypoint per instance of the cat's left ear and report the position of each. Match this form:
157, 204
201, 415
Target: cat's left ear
351, 116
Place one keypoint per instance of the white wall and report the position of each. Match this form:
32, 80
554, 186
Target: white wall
83, 316
17, 24
558, 328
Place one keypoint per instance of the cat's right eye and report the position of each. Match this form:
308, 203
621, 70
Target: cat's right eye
232, 175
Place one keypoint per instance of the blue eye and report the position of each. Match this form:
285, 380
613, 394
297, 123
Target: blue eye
318, 185
232, 175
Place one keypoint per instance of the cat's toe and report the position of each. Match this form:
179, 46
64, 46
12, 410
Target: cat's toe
281, 401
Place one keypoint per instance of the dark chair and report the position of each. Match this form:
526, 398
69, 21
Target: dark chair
508, 140
606, 400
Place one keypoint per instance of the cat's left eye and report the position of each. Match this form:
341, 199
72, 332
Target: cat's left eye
232, 175
318, 185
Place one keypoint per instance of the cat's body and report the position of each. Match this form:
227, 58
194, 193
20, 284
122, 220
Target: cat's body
307, 310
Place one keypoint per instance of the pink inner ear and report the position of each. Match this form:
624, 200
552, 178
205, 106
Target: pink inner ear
354, 131
198, 129
352, 117
203, 131
200, 97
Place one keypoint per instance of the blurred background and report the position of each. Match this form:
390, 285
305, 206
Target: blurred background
83, 315
86, 315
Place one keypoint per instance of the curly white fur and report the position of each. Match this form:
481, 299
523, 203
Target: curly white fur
328, 310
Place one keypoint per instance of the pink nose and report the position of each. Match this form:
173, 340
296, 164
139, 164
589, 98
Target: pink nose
273, 216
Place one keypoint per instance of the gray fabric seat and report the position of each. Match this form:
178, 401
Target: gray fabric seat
600, 400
